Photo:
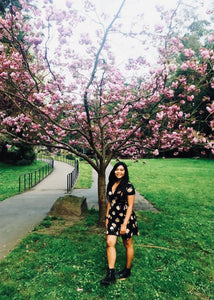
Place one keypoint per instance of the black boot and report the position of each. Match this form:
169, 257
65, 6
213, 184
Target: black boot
125, 273
110, 277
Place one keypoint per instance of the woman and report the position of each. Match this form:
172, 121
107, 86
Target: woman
120, 220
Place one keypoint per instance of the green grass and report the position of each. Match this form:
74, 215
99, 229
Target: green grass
85, 178
182, 189
9, 177
173, 255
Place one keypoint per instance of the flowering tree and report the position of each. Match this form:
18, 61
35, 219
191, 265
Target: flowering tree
71, 97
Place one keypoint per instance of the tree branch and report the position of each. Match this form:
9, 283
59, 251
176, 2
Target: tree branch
95, 69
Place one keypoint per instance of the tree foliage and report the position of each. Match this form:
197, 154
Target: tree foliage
5, 4
71, 95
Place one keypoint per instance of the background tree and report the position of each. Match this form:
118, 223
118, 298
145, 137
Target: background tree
10, 151
195, 44
4, 4
76, 98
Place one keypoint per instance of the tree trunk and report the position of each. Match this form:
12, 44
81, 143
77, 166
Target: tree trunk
102, 195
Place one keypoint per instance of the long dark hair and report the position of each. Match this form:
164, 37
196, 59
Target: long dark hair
113, 178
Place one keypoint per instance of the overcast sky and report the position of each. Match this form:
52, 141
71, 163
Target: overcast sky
131, 9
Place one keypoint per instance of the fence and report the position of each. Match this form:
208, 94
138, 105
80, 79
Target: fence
48, 159
29, 180
72, 177
63, 158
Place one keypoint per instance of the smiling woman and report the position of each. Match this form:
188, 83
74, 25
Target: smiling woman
120, 172
120, 221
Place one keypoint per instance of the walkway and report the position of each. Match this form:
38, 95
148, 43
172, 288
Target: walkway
92, 197
21, 213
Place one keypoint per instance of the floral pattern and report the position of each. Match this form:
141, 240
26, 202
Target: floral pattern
117, 213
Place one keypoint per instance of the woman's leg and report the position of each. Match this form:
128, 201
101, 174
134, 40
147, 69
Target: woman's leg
126, 272
111, 250
111, 257
128, 244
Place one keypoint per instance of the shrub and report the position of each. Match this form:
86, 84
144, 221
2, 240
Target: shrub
20, 155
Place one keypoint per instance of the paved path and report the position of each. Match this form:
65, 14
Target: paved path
21, 213
91, 194
92, 197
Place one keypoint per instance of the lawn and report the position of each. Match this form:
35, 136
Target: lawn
9, 177
173, 255
84, 181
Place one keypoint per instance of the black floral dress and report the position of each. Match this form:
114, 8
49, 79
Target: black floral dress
117, 213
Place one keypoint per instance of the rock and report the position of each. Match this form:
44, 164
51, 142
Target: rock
69, 205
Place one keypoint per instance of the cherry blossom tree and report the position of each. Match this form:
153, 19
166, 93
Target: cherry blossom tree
67, 91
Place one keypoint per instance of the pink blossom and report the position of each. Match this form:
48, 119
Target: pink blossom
195, 140
175, 40
152, 122
37, 40
183, 80
169, 93
3, 75
184, 66
211, 37
159, 28
175, 153
175, 84
89, 6
68, 4
180, 114
156, 152
160, 115
210, 108
189, 53
190, 98
205, 53
84, 39
191, 88
172, 67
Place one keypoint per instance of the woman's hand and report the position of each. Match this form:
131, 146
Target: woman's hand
123, 229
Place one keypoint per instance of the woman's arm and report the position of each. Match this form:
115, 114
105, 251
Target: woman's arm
107, 212
130, 199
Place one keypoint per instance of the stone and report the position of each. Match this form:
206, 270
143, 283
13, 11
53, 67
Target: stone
69, 205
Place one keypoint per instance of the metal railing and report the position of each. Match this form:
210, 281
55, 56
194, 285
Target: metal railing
63, 158
48, 159
29, 180
72, 177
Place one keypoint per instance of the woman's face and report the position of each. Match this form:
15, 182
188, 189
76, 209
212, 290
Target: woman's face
119, 172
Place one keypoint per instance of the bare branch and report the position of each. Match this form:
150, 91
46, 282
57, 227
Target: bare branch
95, 68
